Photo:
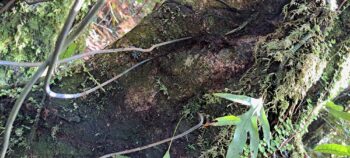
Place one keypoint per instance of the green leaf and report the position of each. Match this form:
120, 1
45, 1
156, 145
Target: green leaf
167, 154
226, 120
69, 52
265, 126
247, 122
335, 149
240, 136
332, 105
254, 137
340, 114
235, 98
237, 144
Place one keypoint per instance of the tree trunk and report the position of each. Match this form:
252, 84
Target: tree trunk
279, 51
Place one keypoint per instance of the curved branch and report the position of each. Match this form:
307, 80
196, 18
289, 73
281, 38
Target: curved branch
17, 106
60, 42
77, 95
200, 124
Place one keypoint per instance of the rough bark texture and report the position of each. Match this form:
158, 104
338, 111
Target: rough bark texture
279, 55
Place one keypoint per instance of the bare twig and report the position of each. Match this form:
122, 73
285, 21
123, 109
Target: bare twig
35, 2
200, 124
341, 4
243, 25
107, 51
87, 19
7, 6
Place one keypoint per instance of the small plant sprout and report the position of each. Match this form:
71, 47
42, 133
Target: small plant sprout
245, 123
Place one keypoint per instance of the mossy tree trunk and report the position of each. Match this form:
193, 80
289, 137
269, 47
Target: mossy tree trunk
280, 52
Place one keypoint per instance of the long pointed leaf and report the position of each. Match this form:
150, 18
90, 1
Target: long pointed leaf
237, 144
254, 136
335, 149
340, 114
226, 120
235, 98
167, 154
240, 136
332, 105
265, 126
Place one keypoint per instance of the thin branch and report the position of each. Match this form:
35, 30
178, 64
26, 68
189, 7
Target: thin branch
87, 19
77, 95
20, 64
122, 50
243, 25
35, 2
7, 6
341, 4
17, 106
107, 51
60, 43
200, 124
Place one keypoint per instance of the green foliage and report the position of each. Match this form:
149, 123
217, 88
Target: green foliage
337, 111
246, 123
333, 106
28, 34
336, 149
162, 87
237, 98
70, 51
167, 154
23, 38
340, 114
226, 120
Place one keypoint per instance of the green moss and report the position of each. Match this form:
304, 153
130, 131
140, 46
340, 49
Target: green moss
288, 63
47, 147
24, 39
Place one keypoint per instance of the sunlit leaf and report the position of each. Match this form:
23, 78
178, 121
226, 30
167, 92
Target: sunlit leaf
226, 120
332, 105
70, 51
167, 154
235, 98
340, 114
336, 149
265, 126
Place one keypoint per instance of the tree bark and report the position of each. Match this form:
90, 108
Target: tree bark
279, 52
